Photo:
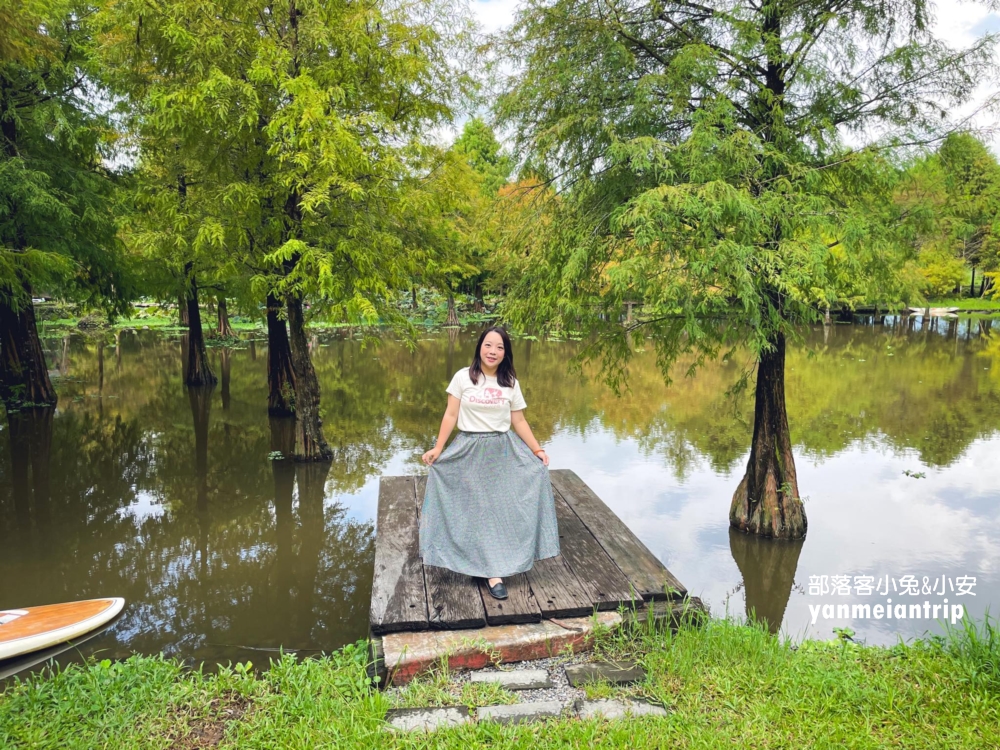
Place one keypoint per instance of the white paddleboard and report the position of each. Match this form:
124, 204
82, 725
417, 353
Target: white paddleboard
23, 631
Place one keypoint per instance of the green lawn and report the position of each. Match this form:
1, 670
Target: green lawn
967, 303
727, 685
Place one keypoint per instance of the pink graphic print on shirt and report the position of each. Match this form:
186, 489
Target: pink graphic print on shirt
492, 396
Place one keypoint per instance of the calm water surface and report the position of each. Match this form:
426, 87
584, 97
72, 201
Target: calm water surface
138, 488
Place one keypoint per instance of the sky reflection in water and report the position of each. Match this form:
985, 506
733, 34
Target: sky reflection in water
216, 548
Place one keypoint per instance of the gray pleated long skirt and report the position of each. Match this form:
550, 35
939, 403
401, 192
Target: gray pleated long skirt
488, 510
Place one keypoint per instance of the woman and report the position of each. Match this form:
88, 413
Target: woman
488, 510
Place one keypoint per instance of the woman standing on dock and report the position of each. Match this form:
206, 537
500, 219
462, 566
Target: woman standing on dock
488, 510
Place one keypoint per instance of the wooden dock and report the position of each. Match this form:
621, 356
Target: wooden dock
602, 566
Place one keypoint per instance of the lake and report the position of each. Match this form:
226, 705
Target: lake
137, 488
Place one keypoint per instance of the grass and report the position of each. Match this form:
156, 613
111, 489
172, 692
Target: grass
967, 303
726, 685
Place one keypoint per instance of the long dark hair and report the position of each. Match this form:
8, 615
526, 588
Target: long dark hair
505, 370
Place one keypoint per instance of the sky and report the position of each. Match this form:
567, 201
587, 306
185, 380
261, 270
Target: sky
957, 23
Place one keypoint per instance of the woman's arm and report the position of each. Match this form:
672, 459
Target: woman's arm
448, 422
520, 426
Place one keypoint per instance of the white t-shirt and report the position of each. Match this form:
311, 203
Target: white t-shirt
486, 405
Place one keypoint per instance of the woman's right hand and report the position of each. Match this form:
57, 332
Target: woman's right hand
431, 456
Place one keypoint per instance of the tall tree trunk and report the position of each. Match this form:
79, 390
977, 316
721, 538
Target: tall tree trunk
224, 329
767, 501
182, 310
972, 284
280, 375
310, 444
480, 304
24, 377
982, 284
413, 296
452, 319
197, 372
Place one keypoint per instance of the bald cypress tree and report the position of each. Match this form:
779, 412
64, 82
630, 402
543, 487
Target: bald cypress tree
57, 228
702, 150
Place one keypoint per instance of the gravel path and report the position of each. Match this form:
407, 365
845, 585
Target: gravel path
555, 666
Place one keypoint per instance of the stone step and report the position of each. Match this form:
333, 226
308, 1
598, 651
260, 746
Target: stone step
518, 679
617, 709
617, 673
520, 713
427, 719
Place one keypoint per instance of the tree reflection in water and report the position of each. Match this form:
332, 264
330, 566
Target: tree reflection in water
139, 488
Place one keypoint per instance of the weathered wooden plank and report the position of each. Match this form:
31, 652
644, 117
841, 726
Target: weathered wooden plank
608, 586
519, 606
398, 598
647, 574
453, 600
557, 591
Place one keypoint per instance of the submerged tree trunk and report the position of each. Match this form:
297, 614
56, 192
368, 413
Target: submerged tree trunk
223, 329
767, 501
452, 319
280, 375
310, 444
24, 377
197, 371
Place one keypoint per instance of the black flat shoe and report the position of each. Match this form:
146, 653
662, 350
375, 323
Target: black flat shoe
497, 590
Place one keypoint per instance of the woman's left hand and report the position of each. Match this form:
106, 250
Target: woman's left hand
543, 456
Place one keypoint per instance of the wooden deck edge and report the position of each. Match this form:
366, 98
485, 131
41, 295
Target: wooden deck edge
407, 655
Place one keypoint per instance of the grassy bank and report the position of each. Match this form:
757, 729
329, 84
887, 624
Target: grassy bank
430, 312
726, 685
968, 303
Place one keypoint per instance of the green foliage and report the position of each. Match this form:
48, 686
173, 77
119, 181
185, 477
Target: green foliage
299, 134
480, 147
58, 231
954, 196
701, 157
